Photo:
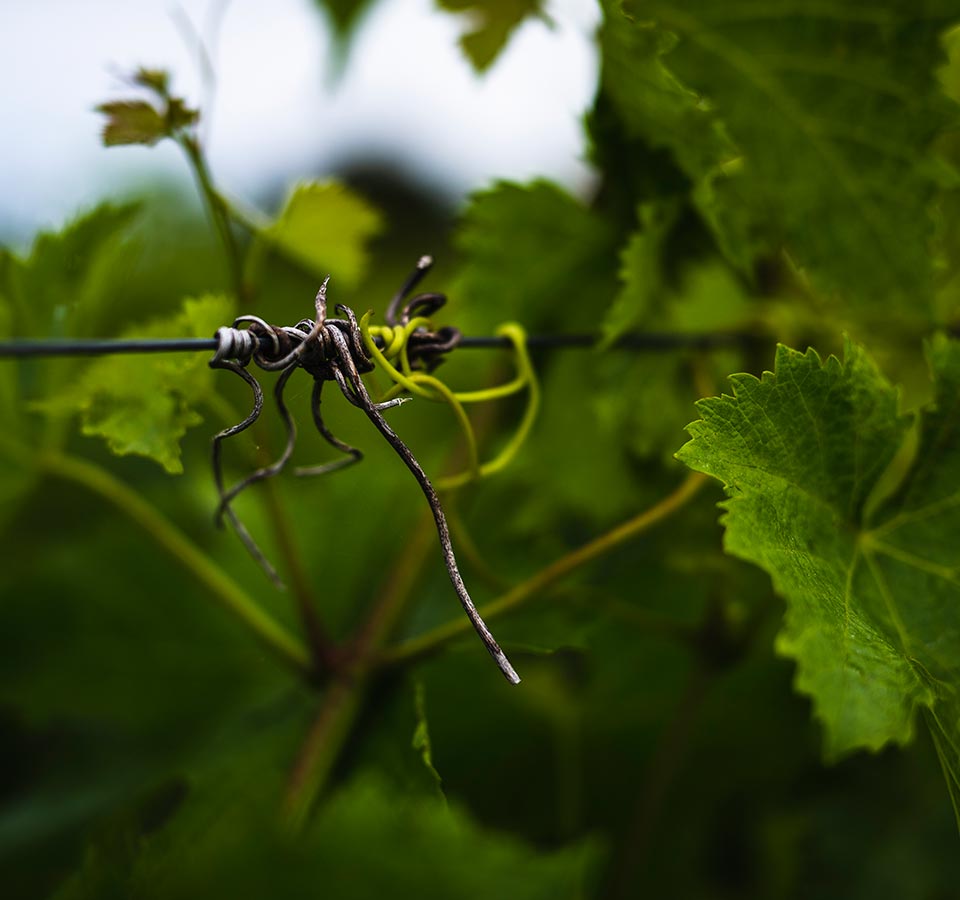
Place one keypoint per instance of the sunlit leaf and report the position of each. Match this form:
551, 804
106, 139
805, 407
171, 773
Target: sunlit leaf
856, 535
326, 227
144, 405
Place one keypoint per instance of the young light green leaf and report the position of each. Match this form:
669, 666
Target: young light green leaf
144, 405
833, 109
492, 24
325, 227
873, 596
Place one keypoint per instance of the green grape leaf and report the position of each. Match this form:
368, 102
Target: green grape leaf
857, 533
651, 102
530, 251
224, 832
144, 405
139, 122
421, 848
58, 289
832, 109
642, 272
131, 122
325, 227
492, 24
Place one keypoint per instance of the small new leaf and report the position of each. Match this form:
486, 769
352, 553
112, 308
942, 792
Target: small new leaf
131, 122
868, 564
156, 80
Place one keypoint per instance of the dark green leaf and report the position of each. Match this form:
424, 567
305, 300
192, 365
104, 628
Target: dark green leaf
832, 107
58, 289
641, 270
534, 252
491, 25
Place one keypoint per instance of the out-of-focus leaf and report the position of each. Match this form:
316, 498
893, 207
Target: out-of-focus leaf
645, 400
345, 14
131, 122
651, 102
157, 80
366, 841
421, 734
535, 253
833, 109
325, 227
421, 849
57, 289
641, 270
144, 405
856, 535
491, 24
139, 122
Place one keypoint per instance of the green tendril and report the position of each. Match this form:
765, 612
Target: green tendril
525, 377
395, 341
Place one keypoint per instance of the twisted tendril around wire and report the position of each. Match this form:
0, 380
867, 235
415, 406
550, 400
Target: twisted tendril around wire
340, 350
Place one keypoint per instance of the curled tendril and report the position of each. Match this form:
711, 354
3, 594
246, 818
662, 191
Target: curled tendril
424, 385
341, 350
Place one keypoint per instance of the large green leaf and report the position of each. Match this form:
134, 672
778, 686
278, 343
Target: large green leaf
144, 405
832, 107
367, 841
857, 533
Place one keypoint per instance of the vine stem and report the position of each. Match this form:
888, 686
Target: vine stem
218, 209
347, 689
319, 642
435, 639
661, 771
230, 594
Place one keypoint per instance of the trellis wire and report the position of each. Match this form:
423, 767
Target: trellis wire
647, 341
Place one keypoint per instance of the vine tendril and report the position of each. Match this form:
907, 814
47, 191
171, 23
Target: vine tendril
342, 350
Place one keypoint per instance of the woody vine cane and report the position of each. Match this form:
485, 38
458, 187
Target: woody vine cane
336, 349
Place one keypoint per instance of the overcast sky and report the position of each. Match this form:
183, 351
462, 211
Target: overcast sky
407, 93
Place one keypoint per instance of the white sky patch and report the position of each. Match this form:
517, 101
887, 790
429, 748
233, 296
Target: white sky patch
407, 93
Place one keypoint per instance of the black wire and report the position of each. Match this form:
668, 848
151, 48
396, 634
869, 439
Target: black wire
647, 341
104, 346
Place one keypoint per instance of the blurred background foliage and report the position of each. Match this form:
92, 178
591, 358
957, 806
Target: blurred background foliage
759, 169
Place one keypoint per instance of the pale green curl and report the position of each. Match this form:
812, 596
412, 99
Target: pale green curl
429, 387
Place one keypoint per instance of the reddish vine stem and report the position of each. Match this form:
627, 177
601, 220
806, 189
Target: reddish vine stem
344, 698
